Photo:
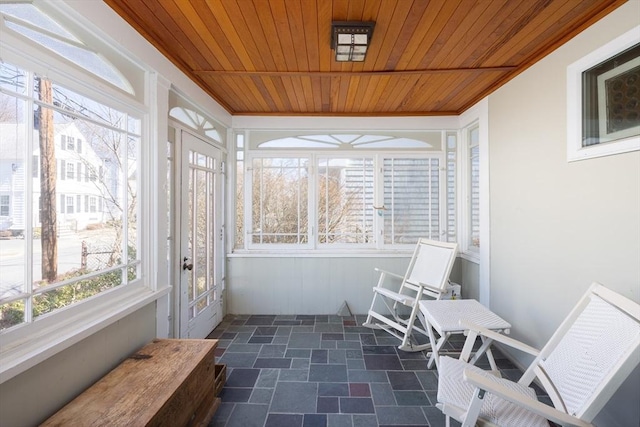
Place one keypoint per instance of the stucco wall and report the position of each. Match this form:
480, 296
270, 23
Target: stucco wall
558, 226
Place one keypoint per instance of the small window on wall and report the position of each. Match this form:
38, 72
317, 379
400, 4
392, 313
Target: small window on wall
604, 100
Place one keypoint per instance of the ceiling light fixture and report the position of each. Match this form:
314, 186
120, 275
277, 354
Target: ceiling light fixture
350, 39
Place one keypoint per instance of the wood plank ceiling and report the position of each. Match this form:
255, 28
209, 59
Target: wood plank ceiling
426, 57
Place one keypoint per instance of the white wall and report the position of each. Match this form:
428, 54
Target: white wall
305, 285
33, 396
558, 226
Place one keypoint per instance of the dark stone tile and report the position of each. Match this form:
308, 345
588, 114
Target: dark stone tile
356, 405
238, 360
434, 416
328, 405
368, 339
266, 330
332, 336
382, 394
261, 395
247, 415
356, 330
379, 349
286, 322
319, 356
228, 335
294, 397
333, 389
268, 378
229, 394
260, 320
384, 362
328, 373
307, 322
411, 355
337, 357
298, 353
429, 380
322, 318
349, 323
306, 317
353, 354
260, 340
411, 398
239, 322
400, 415
284, 420
272, 350
359, 390
241, 377
364, 420
304, 340
401, 380
244, 348
414, 365
276, 362
315, 420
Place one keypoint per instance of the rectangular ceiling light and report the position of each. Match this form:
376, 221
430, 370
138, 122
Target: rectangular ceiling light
350, 39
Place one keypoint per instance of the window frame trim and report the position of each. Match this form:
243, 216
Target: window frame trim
575, 150
29, 343
312, 155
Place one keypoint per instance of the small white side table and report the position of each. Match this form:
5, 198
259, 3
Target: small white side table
444, 317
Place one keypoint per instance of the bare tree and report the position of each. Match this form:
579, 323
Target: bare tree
49, 223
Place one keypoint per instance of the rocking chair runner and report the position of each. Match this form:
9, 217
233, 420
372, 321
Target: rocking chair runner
426, 276
582, 365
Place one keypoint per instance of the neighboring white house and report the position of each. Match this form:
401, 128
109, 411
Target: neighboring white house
80, 179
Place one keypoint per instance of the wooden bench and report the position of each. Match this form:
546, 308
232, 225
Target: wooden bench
169, 382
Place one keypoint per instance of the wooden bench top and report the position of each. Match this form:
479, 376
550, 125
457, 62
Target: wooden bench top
164, 383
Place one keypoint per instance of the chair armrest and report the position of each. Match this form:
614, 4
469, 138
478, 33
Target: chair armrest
474, 330
388, 273
546, 411
431, 288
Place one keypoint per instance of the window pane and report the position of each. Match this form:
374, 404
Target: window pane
239, 191
474, 202
451, 188
69, 241
279, 200
13, 214
345, 200
411, 200
29, 21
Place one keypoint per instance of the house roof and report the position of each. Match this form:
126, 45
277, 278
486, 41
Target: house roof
438, 57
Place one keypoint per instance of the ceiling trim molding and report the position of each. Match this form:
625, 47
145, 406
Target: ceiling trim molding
350, 73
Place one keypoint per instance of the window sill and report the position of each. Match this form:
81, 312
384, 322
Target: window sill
55, 333
334, 253
470, 256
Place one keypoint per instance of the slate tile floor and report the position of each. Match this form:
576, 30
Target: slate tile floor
324, 371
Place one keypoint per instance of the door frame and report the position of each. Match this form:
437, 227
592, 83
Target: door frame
176, 317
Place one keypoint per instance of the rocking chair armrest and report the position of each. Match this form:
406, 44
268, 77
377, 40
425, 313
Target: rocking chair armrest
472, 330
533, 405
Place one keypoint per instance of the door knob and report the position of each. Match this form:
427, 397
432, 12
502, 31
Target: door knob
187, 265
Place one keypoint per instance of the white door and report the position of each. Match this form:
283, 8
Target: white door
201, 237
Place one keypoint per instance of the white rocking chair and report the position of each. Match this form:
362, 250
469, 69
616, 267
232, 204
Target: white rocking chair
426, 276
582, 365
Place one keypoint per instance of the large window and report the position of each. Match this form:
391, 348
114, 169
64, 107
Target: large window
388, 194
73, 238
70, 256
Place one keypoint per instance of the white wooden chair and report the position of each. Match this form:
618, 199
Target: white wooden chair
426, 276
582, 365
